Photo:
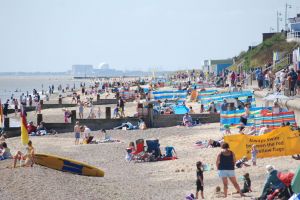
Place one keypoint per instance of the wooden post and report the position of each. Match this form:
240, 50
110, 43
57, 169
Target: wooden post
6, 123
39, 118
108, 113
73, 116
150, 115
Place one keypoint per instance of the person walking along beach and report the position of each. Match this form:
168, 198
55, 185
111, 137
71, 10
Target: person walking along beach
225, 165
81, 107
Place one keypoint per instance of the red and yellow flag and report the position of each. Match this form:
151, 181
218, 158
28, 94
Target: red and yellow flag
24, 132
1, 113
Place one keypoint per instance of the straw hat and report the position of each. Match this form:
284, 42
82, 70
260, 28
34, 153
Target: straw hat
270, 168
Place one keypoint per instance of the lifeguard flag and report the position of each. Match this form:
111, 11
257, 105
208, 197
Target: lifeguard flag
1, 113
24, 132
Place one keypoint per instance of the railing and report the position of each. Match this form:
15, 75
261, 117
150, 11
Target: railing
283, 63
293, 36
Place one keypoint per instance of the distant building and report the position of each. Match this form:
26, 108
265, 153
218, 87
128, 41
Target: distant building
103, 70
294, 34
217, 66
82, 70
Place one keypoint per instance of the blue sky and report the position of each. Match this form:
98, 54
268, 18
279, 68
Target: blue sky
52, 35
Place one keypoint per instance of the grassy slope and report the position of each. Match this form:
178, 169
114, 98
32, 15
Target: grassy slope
263, 53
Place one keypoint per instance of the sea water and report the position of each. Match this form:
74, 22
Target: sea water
16, 85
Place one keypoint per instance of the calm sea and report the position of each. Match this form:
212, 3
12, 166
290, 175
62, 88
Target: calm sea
17, 85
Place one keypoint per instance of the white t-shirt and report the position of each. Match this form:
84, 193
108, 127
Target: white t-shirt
282, 76
87, 132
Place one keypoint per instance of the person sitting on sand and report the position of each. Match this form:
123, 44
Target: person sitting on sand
242, 162
41, 129
87, 138
247, 184
187, 120
272, 181
31, 128
215, 143
28, 157
264, 129
142, 124
5, 152
251, 130
129, 150
125, 126
107, 136
190, 197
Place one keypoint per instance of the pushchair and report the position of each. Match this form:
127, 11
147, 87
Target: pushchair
286, 192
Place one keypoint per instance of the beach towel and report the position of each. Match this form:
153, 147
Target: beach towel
296, 181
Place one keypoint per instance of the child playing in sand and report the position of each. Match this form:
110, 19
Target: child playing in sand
77, 132
242, 162
227, 129
253, 154
247, 184
5, 152
199, 181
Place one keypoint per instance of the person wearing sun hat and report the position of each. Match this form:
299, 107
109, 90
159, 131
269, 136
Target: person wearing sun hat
272, 181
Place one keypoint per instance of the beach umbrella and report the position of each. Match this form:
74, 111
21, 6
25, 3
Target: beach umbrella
275, 97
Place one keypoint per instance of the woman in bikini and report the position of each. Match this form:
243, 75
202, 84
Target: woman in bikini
28, 157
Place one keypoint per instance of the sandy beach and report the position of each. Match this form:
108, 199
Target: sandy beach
123, 180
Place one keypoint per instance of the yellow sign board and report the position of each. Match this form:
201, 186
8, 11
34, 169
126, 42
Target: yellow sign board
280, 142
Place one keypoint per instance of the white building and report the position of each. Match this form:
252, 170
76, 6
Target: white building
82, 70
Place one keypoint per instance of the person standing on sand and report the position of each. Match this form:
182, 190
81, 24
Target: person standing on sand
199, 181
16, 103
5, 108
77, 132
81, 106
225, 165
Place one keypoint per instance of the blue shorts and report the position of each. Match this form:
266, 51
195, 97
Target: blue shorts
77, 135
226, 173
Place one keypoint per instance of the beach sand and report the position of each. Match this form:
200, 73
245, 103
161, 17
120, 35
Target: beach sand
124, 180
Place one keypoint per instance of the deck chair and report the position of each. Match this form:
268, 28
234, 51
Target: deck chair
140, 150
153, 148
286, 192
